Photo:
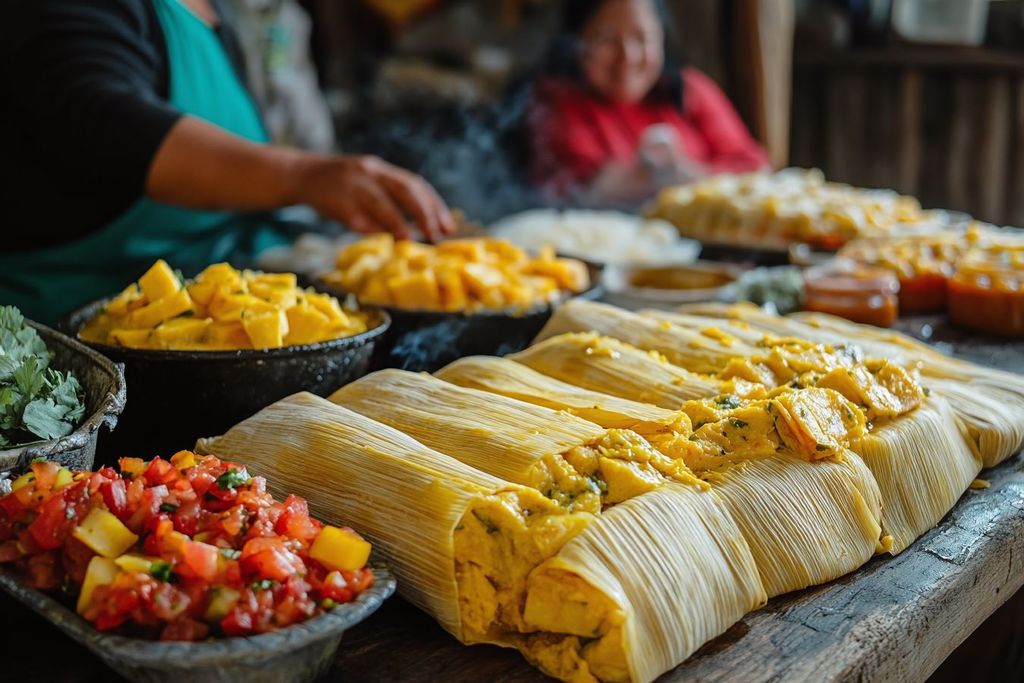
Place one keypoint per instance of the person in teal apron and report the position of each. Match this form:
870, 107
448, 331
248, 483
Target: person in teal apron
206, 176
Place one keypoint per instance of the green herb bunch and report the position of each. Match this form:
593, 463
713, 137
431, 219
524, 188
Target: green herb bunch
36, 401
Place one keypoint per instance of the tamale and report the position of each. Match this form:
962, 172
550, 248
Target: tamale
642, 587
689, 349
989, 401
841, 533
612, 367
415, 505
573, 461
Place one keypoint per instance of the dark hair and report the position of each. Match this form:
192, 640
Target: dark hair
563, 59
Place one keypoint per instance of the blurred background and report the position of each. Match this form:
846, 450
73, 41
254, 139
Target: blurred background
921, 96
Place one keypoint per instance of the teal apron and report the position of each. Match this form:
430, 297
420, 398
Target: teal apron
203, 83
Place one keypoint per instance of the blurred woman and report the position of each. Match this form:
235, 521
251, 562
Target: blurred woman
617, 117
130, 135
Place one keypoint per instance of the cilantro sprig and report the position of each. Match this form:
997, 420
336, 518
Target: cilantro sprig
36, 401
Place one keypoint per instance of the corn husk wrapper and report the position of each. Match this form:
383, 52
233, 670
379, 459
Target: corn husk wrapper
610, 366
689, 349
403, 497
681, 567
517, 441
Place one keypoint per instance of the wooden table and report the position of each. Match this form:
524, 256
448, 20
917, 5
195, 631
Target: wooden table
895, 619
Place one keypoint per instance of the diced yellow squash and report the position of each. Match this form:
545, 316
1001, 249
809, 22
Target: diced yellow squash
408, 249
179, 332
416, 290
479, 278
222, 601
23, 481
158, 311
307, 325
568, 273
363, 267
381, 244
229, 334
453, 291
284, 297
341, 549
202, 293
222, 275
237, 306
101, 572
120, 303
469, 249
276, 280
104, 533
135, 339
266, 330
376, 291
159, 282
329, 306
64, 478
183, 460
133, 562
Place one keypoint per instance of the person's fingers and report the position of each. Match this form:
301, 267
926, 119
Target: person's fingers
406, 189
383, 210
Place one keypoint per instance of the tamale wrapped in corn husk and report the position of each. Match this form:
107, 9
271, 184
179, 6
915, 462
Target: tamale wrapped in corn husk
989, 401
827, 513
619, 597
806, 523
405, 498
610, 366
573, 461
689, 349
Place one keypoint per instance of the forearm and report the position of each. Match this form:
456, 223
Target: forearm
201, 166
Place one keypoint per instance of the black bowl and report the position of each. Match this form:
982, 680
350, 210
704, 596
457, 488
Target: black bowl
177, 396
425, 341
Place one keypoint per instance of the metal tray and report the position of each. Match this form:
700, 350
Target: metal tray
297, 653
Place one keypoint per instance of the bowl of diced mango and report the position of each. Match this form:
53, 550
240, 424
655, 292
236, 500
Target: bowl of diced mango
201, 354
464, 296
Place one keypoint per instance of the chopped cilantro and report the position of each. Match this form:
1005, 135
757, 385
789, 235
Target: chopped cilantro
229, 553
738, 424
264, 585
168, 507
821, 447
160, 570
728, 401
232, 479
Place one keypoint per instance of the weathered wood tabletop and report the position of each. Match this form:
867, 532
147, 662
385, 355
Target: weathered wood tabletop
895, 619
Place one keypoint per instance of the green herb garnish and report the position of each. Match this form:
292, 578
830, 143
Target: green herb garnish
36, 401
738, 424
232, 479
160, 570
728, 401
821, 447
230, 553
169, 507
264, 585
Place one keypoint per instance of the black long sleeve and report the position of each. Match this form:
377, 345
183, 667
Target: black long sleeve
85, 88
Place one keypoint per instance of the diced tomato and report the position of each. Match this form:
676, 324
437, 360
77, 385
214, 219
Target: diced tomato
115, 495
46, 474
76, 556
186, 517
9, 551
199, 560
44, 571
160, 471
295, 522
51, 526
168, 602
269, 558
185, 629
335, 587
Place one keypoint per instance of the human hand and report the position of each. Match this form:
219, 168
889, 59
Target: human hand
370, 195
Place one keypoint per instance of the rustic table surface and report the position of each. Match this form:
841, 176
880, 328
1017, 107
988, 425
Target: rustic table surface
895, 619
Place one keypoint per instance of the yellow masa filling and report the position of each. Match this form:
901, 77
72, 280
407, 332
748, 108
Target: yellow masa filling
507, 596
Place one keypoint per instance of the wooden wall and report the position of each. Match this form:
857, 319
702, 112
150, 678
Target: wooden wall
946, 125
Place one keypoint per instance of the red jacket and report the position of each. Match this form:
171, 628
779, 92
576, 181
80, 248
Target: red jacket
574, 133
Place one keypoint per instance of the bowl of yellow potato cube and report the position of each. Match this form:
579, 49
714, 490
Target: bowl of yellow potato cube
460, 297
202, 354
